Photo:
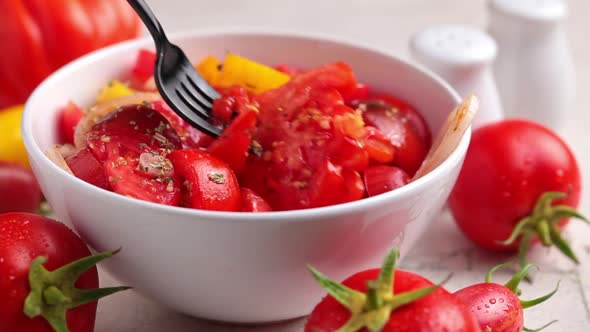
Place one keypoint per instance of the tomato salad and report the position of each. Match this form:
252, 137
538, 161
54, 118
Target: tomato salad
292, 139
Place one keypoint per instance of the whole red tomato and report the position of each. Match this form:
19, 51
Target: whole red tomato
514, 173
388, 300
19, 191
39, 36
497, 307
34, 299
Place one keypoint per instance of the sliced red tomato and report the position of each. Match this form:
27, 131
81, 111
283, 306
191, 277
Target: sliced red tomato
144, 65
287, 69
354, 187
412, 115
327, 185
191, 137
381, 179
149, 177
304, 133
85, 167
252, 202
233, 101
348, 153
134, 127
209, 183
234, 143
404, 127
68, 120
360, 92
133, 144
378, 146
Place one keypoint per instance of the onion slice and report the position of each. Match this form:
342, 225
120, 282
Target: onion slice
58, 154
450, 135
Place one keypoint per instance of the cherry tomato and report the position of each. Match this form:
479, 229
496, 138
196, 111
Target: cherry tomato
133, 144
382, 178
68, 120
496, 307
362, 303
19, 190
209, 183
404, 127
251, 202
510, 166
12, 147
35, 243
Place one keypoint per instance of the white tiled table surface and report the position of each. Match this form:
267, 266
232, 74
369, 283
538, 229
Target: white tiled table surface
389, 24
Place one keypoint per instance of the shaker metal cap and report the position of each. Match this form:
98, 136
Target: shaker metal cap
542, 10
453, 45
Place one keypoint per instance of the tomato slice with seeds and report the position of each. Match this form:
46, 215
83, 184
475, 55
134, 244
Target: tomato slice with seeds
209, 183
85, 167
398, 124
382, 178
133, 144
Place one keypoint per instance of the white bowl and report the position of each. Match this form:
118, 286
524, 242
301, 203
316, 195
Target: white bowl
238, 267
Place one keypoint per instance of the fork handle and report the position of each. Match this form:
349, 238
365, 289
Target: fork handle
151, 22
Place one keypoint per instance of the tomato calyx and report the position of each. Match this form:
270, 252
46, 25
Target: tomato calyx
542, 222
53, 292
512, 285
373, 308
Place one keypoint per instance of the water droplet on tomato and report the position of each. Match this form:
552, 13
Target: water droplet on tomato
492, 301
560, 173
1, 259
478, 308
501, 300
487, 305
11, 277
506, 194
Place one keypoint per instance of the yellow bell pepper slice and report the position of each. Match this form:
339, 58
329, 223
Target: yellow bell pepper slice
12, 147
114, 90
236, 70
209, 68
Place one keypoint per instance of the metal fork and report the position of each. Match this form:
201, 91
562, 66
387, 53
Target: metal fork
181, 86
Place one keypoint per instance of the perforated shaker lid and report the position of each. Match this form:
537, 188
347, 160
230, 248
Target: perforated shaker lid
544, 10
453, 45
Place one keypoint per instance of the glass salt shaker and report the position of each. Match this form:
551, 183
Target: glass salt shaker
534, 68
462, 56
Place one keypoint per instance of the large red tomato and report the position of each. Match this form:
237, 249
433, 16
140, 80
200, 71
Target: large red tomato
39, 36
516, 169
